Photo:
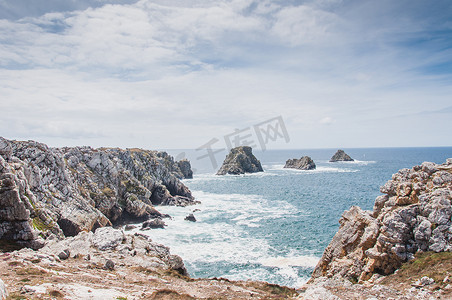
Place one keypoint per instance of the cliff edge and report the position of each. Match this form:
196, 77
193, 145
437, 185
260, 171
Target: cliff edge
62, 191
411, 222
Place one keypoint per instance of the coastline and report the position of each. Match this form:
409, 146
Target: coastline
48, 264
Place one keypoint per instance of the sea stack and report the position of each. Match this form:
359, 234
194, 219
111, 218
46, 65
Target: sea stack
240, 160
340, 155
304, 163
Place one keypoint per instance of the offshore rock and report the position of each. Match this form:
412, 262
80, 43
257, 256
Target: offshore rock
340, 155
413, 215
304, 163
50, 192
153, 224
240, 160
190, 217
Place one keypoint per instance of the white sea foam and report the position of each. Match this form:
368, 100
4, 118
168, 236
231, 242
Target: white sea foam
290, 261
319, 169
221, 233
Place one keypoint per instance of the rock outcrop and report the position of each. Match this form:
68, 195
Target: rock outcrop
240, 160
304, 163
54, 192
340, 155
413, 215
185, 168
109, 264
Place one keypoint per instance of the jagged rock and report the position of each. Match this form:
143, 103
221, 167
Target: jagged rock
304, 163
413, 215
240, 160
153, 224
185, 168
340, 155
107, 238
190, 217
3, 290
61, 192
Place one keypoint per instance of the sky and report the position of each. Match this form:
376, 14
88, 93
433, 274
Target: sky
181, 74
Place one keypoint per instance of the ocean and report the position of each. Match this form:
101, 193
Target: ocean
274, 226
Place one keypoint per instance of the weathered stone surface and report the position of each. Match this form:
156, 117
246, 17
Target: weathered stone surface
54, 192
304, 163
107, 238
112, 244
413, 215
240, 160
340, 155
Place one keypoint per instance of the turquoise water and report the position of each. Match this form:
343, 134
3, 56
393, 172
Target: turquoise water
274, 226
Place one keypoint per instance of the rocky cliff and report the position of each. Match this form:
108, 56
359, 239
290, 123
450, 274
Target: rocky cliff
60, 192
240, 160
304, 163
340, 155
413, 216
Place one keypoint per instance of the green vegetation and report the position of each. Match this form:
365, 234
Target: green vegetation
434, 265
40, 225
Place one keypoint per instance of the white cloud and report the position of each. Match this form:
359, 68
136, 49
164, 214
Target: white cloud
178, 73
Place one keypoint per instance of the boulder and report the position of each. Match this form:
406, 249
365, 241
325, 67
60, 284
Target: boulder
413, 216
107, 238
109, 265
240, 160
190, 218
304, 163
340, 155
153, 224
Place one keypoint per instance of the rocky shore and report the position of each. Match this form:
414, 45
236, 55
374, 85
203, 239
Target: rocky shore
49, 192
410, 222
109, 264
57, 208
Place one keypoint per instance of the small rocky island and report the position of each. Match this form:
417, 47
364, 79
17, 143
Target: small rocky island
304, 163
340, 155
240, 160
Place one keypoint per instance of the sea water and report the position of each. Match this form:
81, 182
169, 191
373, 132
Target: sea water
274, 226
